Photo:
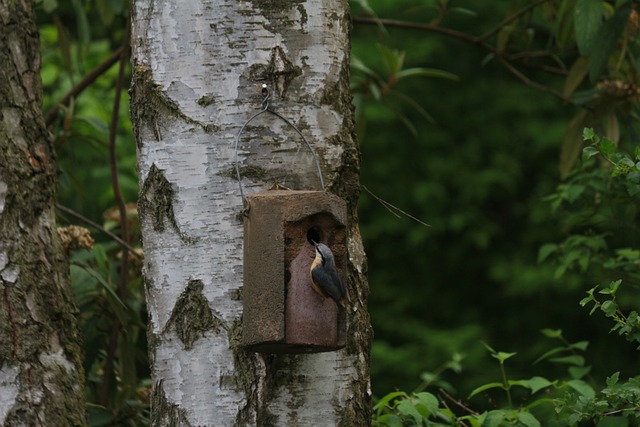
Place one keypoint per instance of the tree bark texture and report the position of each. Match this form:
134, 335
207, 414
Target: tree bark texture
198, 70
41, 373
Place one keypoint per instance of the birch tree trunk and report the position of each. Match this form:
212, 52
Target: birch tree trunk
198, 69
41, 374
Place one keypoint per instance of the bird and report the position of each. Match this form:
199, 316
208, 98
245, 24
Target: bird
324, 275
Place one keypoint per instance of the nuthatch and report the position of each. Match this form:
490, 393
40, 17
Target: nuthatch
324, 275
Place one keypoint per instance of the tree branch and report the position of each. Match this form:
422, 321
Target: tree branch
526, 80
509, 19
480, 41
419, 26
84, 83
99, 227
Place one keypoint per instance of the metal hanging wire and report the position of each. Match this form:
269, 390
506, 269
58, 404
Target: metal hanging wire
265, 109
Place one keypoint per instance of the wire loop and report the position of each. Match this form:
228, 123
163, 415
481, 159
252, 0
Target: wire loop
265, 109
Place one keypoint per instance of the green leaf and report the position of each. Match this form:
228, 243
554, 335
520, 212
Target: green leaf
587, 22
582, 387
552, 333
550, 353
406, 408
429, 401
425, 72
495, 418
384, 401
608, 308
577, 73
607, 147
527, 419
589, 135
485, 387
580, 345
589, 152
543, 253
536, 384
633, 183
564, 22
502, 356
606, 39
578, 372
613, 379
574, 359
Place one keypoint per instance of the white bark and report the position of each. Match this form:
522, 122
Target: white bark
198, 69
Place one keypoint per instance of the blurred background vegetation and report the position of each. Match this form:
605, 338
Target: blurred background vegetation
470, 121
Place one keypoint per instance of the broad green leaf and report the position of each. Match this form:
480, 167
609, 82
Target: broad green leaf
564, 22
429, 401
613, 379
582, 387
589, 135
543, 253
580, 345
406, 408
577, 73
587, 22
577, 372
384, 401
535, 384
495, 419
608, 308
552, 333
502, 356
527, 419
633, 183
574, 359
607, 147
589, 152
606, 39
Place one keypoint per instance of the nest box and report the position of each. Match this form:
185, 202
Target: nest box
282, 313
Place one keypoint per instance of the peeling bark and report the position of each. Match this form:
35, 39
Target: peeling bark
198, 70
41, 374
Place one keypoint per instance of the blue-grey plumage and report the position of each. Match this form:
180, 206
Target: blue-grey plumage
324, 275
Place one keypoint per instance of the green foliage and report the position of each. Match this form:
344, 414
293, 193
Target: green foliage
94, 275
562, 402
112, 314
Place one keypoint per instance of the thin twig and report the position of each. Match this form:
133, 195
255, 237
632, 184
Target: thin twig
418, 26
510, 18
84, 83
99, 227
526, 80
394, 209
462, 423
458, 403
476, 41
112, 346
